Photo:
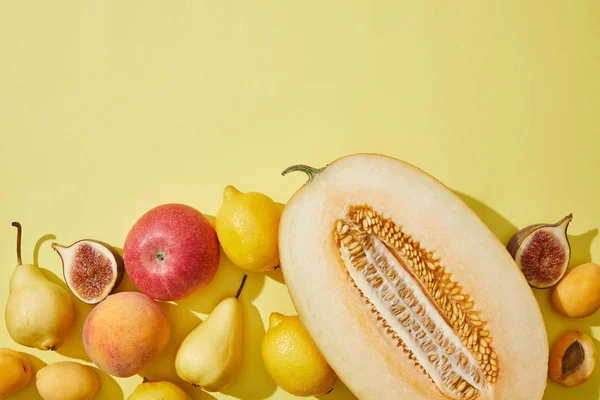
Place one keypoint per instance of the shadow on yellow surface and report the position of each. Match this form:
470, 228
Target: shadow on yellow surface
36, 249
276, 275
252, 381
109, 388
339, 392
73, 346
555, 323
183, 321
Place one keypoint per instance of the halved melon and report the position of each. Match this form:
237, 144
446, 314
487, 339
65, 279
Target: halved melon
405, 291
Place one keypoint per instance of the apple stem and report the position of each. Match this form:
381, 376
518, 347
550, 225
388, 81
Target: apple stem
237, 295
310, 171
19, 229
145, 380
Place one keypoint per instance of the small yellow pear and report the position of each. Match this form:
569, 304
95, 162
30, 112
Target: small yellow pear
211, 354
67, 380
158, 390
38, 313
15, 371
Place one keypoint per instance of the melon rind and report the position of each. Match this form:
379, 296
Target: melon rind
363, 356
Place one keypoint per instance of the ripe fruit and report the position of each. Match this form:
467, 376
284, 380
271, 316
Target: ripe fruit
158, 390
92, 269
578, 294
293, 360
247, 225
125, 333
405, 291
572, 359
211, 354
542, 252
39, 313
67, 381
171, 252
16, 371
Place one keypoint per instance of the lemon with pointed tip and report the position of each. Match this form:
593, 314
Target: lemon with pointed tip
247, 225
293, 359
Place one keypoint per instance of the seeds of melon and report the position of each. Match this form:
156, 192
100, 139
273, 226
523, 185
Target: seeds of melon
395, 279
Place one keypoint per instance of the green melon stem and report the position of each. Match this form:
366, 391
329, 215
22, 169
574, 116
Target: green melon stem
19, 229
237, 295
310, 171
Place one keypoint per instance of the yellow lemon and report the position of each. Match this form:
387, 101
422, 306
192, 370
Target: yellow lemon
247, 225
293, 359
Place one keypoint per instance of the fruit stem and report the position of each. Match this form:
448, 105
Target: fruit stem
19, 229
237, 295
145, 380
310, 171
566, 219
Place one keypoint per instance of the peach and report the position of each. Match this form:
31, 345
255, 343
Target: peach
577, 295
125, 333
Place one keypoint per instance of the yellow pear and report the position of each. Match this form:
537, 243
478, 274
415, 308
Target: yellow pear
16, 371
67, 380
211, 354
39, 313
149, 390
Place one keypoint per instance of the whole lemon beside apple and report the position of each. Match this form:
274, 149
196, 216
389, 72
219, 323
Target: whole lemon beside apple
247, 225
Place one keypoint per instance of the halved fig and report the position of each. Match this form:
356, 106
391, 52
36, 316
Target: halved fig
542, 251
92, 269
572, 359
406, 293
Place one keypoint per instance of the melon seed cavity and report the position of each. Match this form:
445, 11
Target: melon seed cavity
417, 303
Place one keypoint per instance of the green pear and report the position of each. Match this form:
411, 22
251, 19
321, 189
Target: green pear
211, 354
39, 313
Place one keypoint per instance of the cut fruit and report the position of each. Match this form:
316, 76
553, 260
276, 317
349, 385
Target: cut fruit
542, 251
430, 303
572, 359
92, 269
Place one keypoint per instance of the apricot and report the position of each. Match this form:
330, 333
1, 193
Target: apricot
572, 359
67, 380
16, 371
125, 333
577, 295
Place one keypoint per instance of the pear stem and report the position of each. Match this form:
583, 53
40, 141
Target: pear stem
310, 171
19, 229
237, 295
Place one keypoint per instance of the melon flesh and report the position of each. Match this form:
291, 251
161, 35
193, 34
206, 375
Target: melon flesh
405, 291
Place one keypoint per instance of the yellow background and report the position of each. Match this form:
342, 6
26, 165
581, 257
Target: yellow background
109, 108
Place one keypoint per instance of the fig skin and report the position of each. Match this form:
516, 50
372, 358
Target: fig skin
115, 254
577, 295
540, 277
557, 354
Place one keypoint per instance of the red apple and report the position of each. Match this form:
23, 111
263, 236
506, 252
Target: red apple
171, 252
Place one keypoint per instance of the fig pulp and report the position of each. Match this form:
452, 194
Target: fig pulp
542, 252
92, 269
